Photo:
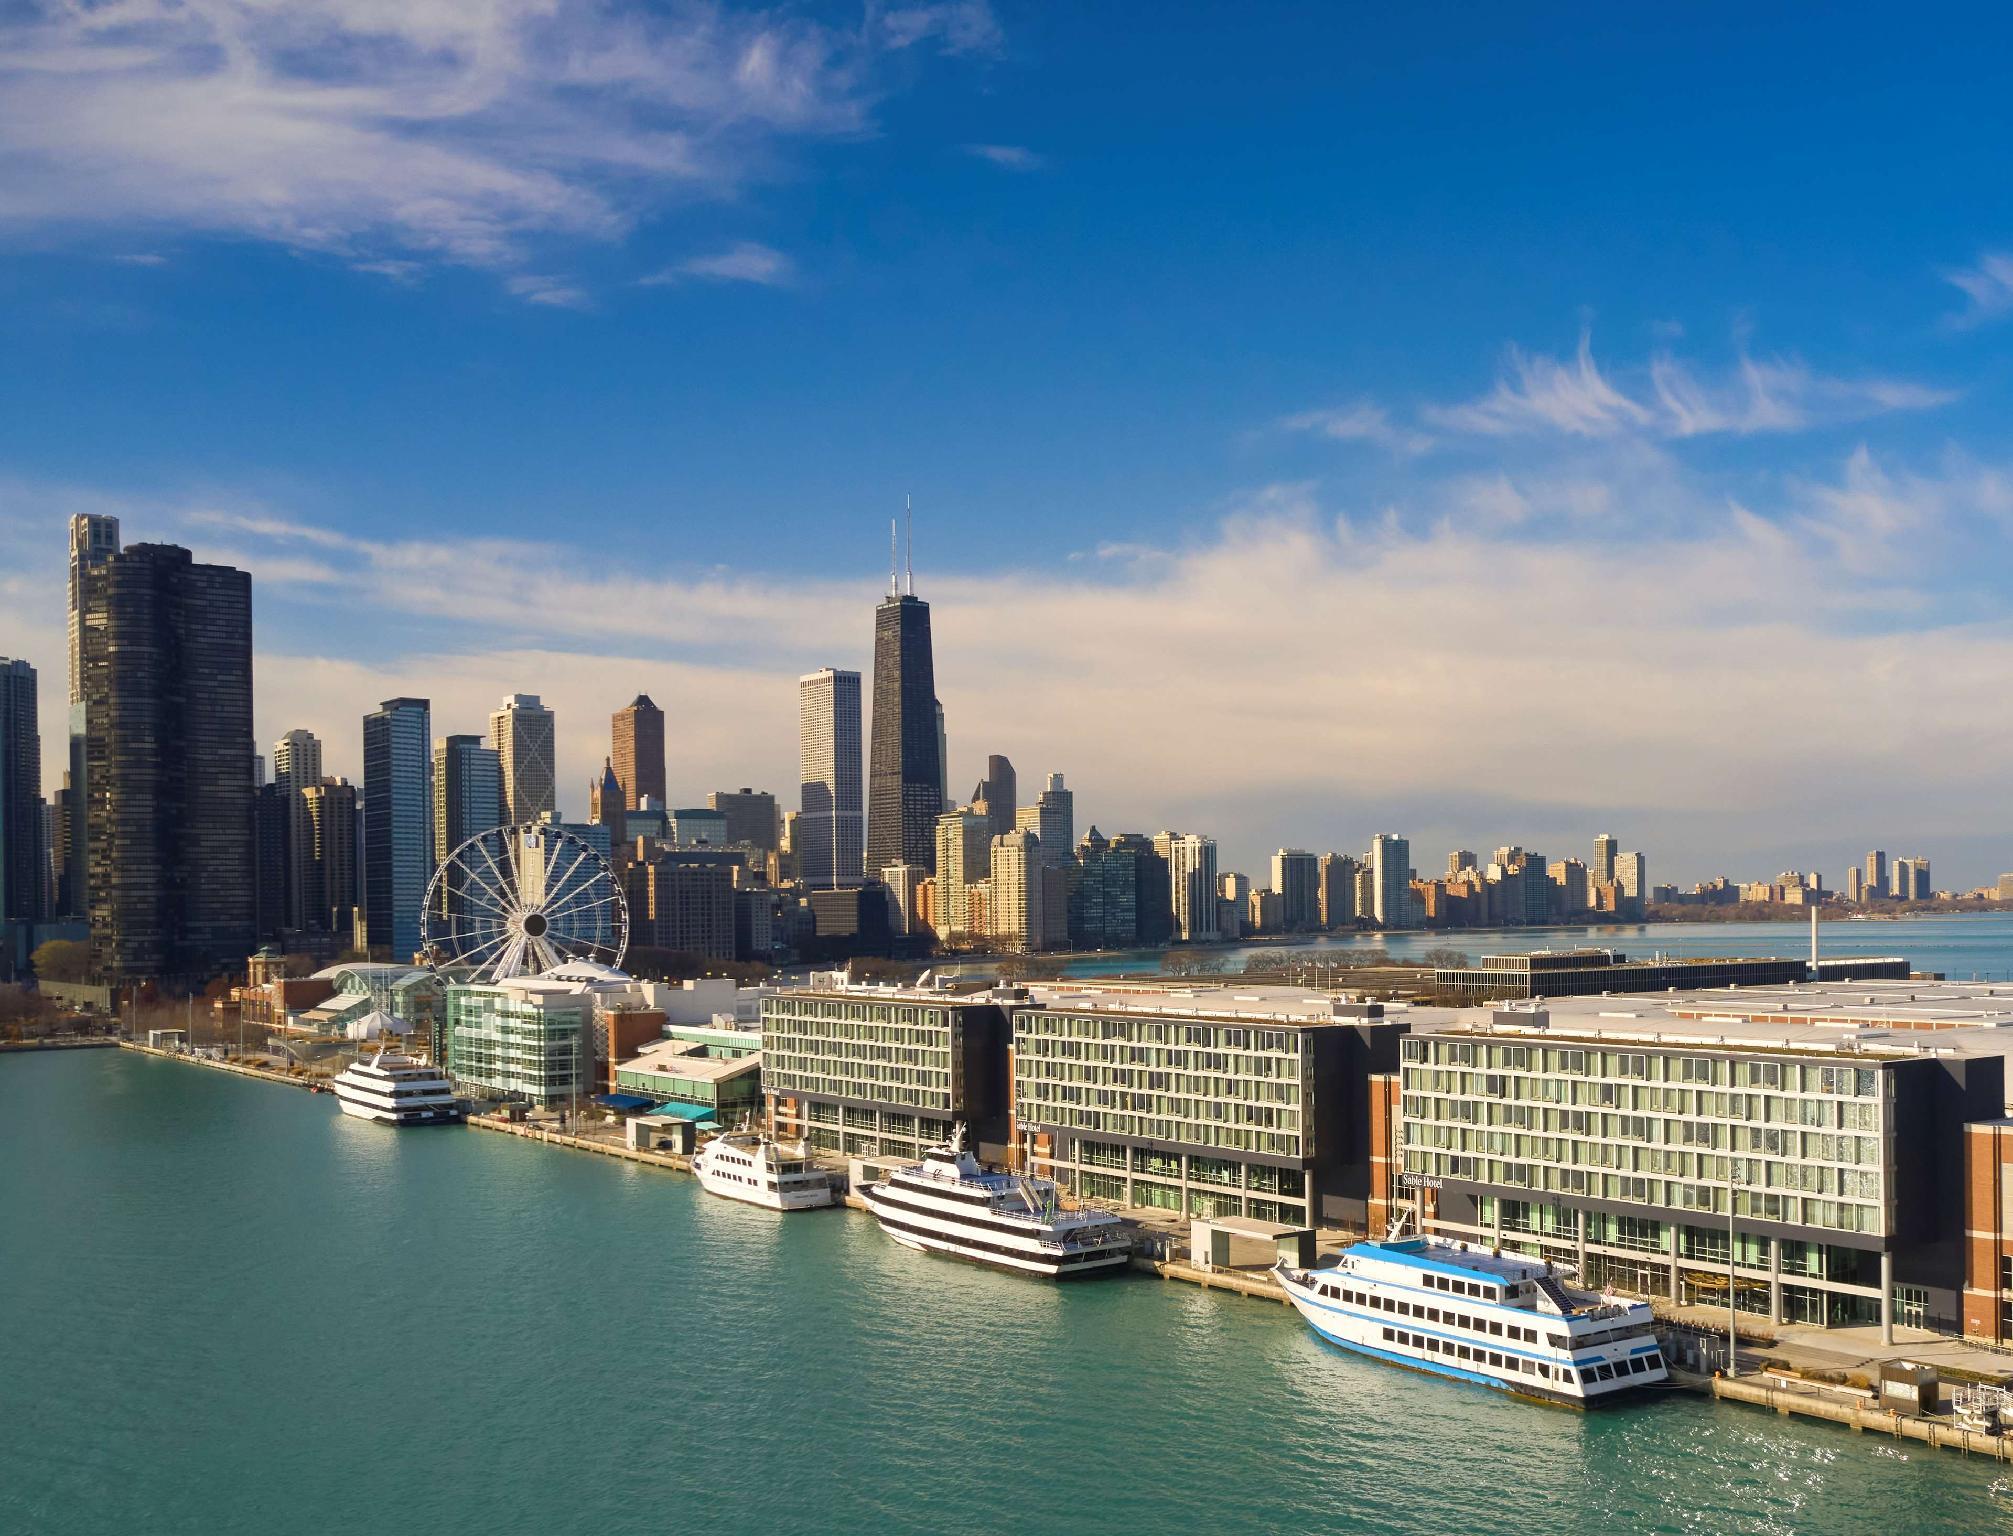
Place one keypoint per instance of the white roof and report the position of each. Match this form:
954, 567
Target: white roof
375, 1025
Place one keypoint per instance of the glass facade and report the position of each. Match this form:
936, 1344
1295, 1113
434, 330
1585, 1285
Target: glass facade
398, 830
1801, 1143
1188, 1106
508, 1043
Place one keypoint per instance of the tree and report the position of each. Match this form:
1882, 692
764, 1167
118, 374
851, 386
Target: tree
1447, 960
62, 960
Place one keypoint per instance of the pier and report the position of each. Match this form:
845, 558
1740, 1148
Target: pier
218, 1064
673, 1162
1807, 1400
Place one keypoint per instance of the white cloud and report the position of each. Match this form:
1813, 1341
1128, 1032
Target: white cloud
1546, 396
407, 131
1988, 284
1008, 157
535, 288
746, 262
957, 26
1513, 656
1362, 422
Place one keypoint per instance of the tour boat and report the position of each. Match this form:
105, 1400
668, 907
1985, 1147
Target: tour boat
398, 1090
948, 1204
777, 1175
1501, 1321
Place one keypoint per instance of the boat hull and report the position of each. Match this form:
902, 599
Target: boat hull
815, 1199
1345, 1331
976, 1249
433, 1114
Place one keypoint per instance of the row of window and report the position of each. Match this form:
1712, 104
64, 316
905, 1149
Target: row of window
1498, 1096
1155, 1058
1805, 1177
1035, 1076
1711, 1071
1034, 1025
1377, 1301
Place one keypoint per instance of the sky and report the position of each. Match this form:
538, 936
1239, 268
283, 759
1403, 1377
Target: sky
1490, 424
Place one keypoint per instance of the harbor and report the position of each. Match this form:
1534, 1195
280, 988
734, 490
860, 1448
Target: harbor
1805, 1375
532, 1290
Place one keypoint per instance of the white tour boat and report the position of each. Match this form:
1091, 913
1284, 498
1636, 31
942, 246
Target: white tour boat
948, 1204
1500, 1320
778, 1175
398, 1090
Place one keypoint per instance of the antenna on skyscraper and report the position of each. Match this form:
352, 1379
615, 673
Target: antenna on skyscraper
909, 511
894, 560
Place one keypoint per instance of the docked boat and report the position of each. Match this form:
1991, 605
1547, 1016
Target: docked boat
1501, 1321
777, 1175
398, 1090
948, 1204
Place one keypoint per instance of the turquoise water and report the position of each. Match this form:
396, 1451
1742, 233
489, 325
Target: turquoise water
1960, 945
227, 1309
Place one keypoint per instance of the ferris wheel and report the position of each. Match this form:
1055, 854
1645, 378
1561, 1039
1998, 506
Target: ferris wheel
519, 900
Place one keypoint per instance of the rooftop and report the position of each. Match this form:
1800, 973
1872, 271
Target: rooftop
1230, 1003
1449, 1259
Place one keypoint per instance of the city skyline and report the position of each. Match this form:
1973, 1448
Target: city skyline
1746, 495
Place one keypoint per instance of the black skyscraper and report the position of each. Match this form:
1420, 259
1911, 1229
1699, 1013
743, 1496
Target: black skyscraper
166, 662
904, 777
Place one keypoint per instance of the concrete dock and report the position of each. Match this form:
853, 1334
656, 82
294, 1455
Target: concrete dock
671, 1161
1811, 1401
215, 1064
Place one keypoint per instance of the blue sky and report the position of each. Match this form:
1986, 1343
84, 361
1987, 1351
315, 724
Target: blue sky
1496, 425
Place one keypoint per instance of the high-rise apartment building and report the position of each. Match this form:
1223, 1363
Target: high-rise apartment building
1052, 819
1000, 789
1296, 876
93, 540
1336, 889
1460, 860
639, 752
751, 817
1104, 892
1019, 909
1855, 885
962, 858
1602, 870
332, 846
829, 831
1876, 874
905, 790
520, 730
24, 860
1191, 871
467, 801
166, 698
1391, 878
1632, 878
398, 829
297, 763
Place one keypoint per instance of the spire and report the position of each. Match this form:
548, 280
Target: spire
909, 511
894, 561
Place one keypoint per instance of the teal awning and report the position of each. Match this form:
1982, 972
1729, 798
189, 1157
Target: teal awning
685, 1111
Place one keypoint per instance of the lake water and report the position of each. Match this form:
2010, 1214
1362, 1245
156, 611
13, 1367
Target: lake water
224, 1308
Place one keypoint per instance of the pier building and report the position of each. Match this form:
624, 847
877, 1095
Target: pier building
1811, 1138
1213, 1101
884, 1071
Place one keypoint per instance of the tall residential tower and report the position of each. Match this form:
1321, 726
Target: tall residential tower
398, 837
828, 832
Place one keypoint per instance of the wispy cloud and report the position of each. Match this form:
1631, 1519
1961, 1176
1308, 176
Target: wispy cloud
537, 288
141, 259
1988, 284
422, 131
957, 26
1362, 422
1575, 397
1008, 157
747, 262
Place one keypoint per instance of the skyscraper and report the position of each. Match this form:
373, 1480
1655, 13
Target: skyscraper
605, 805
1191, 868
1052, 818
467, 792
297, 763
905, 772
1000, 789
963, 858
828, 835
1391, 877
1019, 910
1602, 870
23, 830
1876, 874
521, 732
397, 823
751, 816
1296, 876
331, 819
1632, 878
1336, 885
166, 682
93, 540
638, 754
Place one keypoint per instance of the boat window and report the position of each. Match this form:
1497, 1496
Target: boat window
1604, 1373
1556, 1340
1496, 1328
1656, 1359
